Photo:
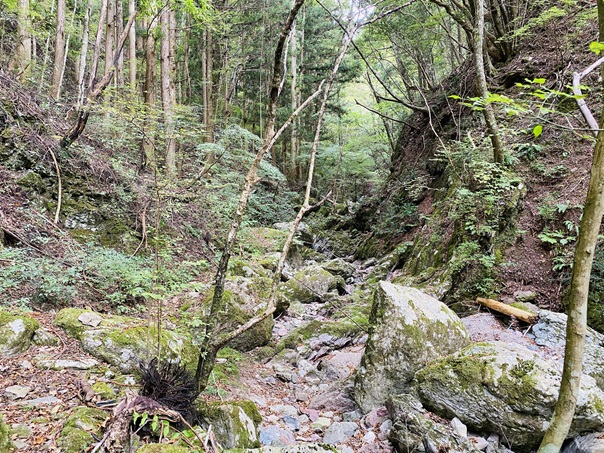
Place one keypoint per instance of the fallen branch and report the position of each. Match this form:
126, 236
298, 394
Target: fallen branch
508, 310
577, 76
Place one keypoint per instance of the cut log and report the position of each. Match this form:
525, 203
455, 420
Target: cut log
508, 310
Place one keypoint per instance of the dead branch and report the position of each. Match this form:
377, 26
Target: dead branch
508, 310
585, 111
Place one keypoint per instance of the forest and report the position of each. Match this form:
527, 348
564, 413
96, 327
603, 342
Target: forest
301, 226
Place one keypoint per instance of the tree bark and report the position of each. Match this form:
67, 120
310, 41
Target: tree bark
167, 88
119, 28
132, 48
210, 346
481, 81
84, 53
576, 325
21, 63
207, 63
109, 35
59, 57
295, 99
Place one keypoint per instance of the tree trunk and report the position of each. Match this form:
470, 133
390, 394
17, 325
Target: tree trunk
21, 63
167, 88
207, 63
210, 346
84, 53
59, 57
132, 48
94, 67
109, 34
576, 326
293, 147
481, 80
119, 28
149, 92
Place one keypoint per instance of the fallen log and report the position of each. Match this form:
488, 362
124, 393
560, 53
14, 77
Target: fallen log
508, 310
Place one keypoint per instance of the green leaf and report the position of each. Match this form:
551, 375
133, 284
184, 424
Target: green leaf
454, 96
538, 130
166, 428
539, 81
596, 47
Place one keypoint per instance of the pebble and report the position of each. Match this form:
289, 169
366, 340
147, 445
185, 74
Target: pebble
43, 400
352, 416
369, 437
301, 396
339, 432
26, 365
20, 445
459, 428
321, 423
313, 415
276, 437
479, 442
292, 423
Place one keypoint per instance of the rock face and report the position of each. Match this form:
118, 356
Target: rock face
312, 283
410, 425
235, 424
506, 389
81, 429
591, 443
16, 333
124, 342
407, 330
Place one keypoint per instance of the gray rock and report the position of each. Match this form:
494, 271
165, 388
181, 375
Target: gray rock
339, 432
408, 329
304, 447
311, 284
337, 397
369, 437
591, 443
506, 389
292, 423
15, 392
339, 267
42, 400
321, 423
459, 427
43, 337
235, 423
16, 333
525, 296
479, 442
64, 364
276, 437
90, 318
411, 426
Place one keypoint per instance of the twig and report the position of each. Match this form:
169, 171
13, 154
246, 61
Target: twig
577, 76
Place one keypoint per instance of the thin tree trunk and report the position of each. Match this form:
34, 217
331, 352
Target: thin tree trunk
293, 147
75, 7
94, 67
59, 57
576, 325
167, 80
209, 348
84, 53
109, 34
119, 28
207, 70
149, 92
132, 48
21, 63
481, 80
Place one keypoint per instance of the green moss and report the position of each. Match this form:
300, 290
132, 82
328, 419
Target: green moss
235, 423
103, 390
5, 443
162, 448
33, 181
81, 429
16, 332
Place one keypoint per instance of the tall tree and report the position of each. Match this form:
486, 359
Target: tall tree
132, 48
576, 325
21, 62
167, 85
59, 57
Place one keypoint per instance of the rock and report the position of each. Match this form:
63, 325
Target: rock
411, 424
525, 296
103, 390
123, 341
235, 423
43, 337
339, 267
375, 417
16, 333
337, 398
460, 429
407, 330
82, 428
506, 389
310, 284
276, 437
90, 318
339, 432
369, 437
42, 400
303, 447
321, 423
162, 448
64, 364
550, 332
16, 392
591, 443
292, 423
5, 443
479, 442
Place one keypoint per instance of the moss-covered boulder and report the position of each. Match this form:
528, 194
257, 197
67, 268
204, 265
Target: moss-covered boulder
242, 299
310, 284
407, 330
125, 342
260, 241
5, 444
235, 423
16, 333
506, 389
411, 424
338, 266
81, 429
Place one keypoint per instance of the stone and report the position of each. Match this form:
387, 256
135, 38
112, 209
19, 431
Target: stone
276, 437
479, 442
310, 284
590, 443
292, 423
42, 400
459, 428
339, 267
90, 318
408, 329
123, 341
15, 392
163, 448
339, 432
505, 389
525, 296
303, 447
337, 397
235, 423
411, 424
369, 437
81, 429
65, 364
43, 337
321, 423
16, 333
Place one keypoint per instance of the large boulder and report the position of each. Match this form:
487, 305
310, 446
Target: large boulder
412, 426
550, 332
16, 333
310, 284
235, 423
408, 329
506, 389
125, 342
